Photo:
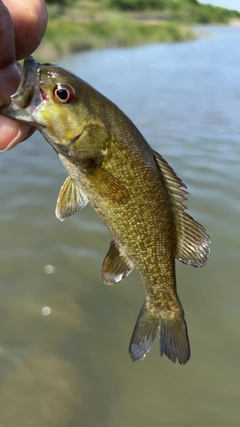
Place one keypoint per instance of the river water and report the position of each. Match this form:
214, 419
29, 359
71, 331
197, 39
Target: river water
64, 335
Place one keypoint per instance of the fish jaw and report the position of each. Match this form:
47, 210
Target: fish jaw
28, 98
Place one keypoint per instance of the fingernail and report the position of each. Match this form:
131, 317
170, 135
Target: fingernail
21, 134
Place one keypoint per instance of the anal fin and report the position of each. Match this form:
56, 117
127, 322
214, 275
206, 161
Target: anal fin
70, 199
116, 265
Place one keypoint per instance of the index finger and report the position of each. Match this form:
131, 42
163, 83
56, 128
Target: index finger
29, 18
22, 23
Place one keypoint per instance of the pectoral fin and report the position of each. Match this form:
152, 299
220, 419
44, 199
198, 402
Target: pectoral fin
107, 185
70, 199
193, 241
116, 265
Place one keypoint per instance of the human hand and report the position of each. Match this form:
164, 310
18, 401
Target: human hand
22, 26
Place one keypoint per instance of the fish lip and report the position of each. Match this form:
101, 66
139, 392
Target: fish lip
28, 98
24, 94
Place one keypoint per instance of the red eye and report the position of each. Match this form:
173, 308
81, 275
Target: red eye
64, 93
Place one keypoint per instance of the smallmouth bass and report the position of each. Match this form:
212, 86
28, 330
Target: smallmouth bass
132, 188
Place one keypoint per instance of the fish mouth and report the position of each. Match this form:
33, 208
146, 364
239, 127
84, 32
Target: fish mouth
24, 94
28, 97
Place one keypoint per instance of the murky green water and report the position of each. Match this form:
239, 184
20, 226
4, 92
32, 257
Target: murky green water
64, 335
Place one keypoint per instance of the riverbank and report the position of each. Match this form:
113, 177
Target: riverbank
79, 30
79, 25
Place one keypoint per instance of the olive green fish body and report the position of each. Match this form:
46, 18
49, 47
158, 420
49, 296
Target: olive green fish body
133, 189
133, 218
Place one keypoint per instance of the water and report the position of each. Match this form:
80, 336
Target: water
64, 334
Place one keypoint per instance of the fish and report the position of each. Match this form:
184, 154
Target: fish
132, 188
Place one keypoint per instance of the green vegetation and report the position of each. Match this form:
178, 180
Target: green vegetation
76, 25
190, 11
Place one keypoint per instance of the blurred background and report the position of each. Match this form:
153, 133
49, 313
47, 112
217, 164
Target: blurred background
64, 337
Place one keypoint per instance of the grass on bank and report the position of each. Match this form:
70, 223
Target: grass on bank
76, 25
67, 34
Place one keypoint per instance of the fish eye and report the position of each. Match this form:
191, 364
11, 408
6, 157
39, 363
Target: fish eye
64, 93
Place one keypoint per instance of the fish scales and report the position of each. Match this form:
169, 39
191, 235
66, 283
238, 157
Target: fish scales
133, 189
133, 223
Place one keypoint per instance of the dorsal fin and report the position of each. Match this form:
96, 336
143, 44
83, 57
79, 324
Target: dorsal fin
70, 199
193, 241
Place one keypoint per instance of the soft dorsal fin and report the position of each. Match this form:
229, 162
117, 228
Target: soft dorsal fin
193, 241
116, 265
70, 199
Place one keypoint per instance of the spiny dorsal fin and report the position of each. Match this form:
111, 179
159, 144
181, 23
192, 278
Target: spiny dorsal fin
70, 199
116, 265
193, 241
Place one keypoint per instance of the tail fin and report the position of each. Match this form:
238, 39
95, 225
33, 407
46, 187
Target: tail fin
174, 340
143, 335
173, 336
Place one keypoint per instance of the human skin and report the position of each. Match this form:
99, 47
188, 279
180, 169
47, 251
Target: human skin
22, 26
